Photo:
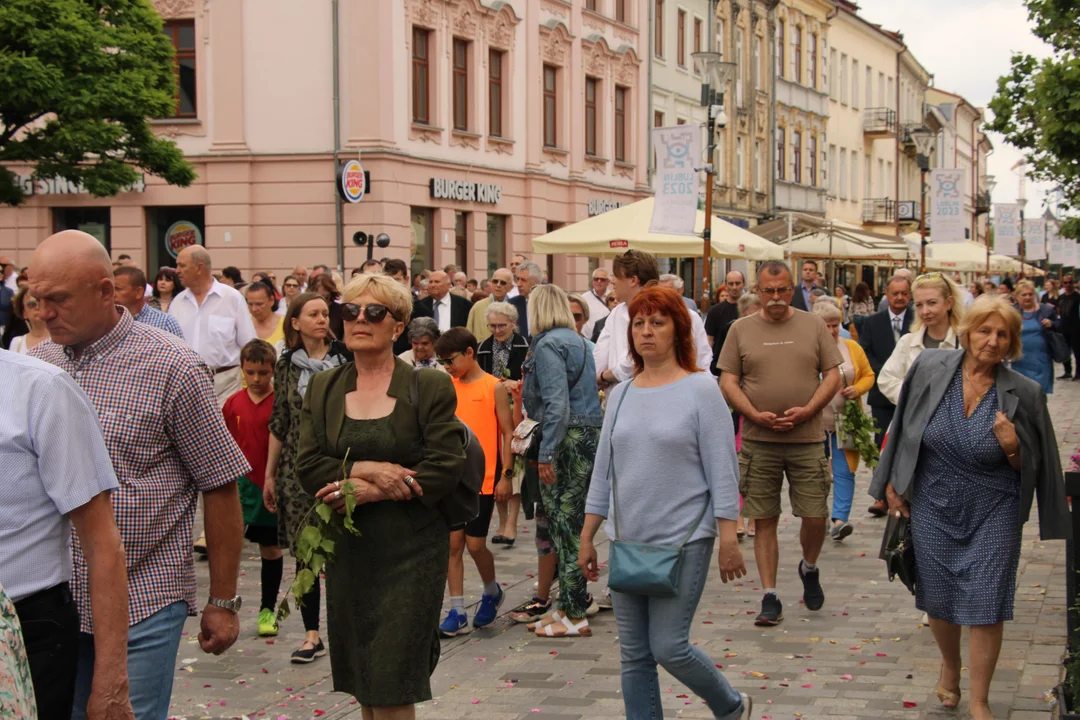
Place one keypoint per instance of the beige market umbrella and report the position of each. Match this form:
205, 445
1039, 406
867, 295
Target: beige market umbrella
814, 237
627, 228
960, 257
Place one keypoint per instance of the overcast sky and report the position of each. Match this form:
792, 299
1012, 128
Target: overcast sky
967, 45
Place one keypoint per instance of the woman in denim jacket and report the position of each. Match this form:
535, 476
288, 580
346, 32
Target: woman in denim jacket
560, 393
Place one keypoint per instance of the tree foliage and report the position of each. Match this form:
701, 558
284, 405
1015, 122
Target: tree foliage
1037, 105
78, 80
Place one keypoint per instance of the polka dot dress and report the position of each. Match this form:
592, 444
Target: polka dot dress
965, 515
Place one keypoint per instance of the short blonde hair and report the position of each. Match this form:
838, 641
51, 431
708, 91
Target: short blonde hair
549, 308
1025, 285
826, 309
984, 306
948, 289
501, 308
386, 290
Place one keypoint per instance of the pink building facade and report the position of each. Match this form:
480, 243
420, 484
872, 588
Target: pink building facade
480, 125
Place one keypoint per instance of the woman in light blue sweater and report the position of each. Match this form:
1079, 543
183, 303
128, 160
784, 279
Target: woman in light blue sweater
669, 441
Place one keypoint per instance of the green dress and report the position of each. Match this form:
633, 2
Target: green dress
16, 687
384, 589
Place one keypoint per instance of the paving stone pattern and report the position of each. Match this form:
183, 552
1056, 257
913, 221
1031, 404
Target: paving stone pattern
864, 655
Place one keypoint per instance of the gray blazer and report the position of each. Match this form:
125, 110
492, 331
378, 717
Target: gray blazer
1020, 398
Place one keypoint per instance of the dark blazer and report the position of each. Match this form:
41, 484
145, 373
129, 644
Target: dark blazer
523, 315
403, 344
1020, 398
519, 348
438, 456
876, 338
798, 301
459, 309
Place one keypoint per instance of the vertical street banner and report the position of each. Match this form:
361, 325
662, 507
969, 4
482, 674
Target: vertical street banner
678, 154
1035, 239
1007, 229
1070, 253
947, 222
1055, 245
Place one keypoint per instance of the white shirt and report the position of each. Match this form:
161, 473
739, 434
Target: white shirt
893, 318
55, 461
513, 292
613, 349
598, 310
12, 282
443, 312
219, 328
891, 378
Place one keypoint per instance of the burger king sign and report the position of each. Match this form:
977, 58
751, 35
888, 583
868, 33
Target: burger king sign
180, 235
352, 181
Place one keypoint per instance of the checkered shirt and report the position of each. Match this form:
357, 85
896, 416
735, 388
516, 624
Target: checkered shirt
160, 320
154, 397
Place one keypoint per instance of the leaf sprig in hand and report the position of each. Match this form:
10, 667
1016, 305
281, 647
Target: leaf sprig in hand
315, 546
860, 428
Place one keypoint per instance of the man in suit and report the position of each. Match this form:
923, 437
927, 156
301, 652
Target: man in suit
399, 271
902, 272
448, 310
802, 299
878, 337
527, 276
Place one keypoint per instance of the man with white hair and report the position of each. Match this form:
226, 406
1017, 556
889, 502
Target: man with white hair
596, 298
501, 282
527, 276
449, 310
460, 279
214, 318
901, 273
676, 283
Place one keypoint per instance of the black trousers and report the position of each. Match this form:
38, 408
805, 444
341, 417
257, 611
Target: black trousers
1073, 338
50, 626
884, 416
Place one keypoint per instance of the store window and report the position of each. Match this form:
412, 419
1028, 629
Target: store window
461, 241
169, 230
423, 257
182, 35
91, 220
496, 243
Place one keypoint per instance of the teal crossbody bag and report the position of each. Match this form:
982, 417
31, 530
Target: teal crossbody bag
639, 568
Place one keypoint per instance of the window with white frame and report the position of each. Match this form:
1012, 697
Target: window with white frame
854, 175
843, 79
881, 177
890, 180
855, 84
758, 169
842, 184
756, 60
881, 89
869, 87
740, 160
868, 189
720, 37
831, 180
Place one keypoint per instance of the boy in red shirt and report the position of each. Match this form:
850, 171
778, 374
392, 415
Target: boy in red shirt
247, 414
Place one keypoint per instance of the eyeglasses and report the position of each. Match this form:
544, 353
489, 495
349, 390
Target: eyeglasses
373, 313
291, 285
447, 361
775, 291
498, 327
601, 280
500, 282
578, 317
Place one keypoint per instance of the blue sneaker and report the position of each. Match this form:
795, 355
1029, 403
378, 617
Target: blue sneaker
489, 609
456, 623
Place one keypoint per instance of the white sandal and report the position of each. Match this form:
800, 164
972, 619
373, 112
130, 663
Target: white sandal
550, 619
579, 629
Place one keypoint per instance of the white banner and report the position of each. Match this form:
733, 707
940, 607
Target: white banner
678, 153
1070, 253
1035, 240
1007, 229
947, 206
1055, 244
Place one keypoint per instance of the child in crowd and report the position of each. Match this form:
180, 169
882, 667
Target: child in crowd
247, 414
484, 405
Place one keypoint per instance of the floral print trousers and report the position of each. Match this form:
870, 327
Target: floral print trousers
16, 687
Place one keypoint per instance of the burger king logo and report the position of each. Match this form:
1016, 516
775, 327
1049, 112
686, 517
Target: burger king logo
182, 235
352, 181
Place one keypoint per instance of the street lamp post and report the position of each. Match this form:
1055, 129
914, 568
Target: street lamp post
923, 139
716, 73
990, 183
1022, 202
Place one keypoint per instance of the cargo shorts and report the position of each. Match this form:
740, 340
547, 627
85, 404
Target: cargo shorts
762, 466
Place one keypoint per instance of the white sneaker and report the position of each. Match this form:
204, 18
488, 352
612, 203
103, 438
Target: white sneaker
593, 609
747, 706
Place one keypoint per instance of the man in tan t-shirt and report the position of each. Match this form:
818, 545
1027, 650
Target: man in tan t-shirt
779, 368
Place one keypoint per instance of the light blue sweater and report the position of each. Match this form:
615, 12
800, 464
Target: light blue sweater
674, 450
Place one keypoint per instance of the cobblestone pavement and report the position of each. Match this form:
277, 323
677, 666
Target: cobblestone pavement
864, 655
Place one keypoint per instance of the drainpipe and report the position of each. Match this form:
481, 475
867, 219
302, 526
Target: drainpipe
899, 141
648, 135
339, 220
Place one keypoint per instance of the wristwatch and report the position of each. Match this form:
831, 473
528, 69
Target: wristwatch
232, 606
508, 474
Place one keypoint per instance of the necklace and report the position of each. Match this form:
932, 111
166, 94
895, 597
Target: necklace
970, 378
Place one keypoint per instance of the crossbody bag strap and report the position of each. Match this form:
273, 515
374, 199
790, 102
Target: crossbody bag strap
581, 370
611, 462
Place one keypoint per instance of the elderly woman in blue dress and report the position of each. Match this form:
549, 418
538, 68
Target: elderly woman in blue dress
1039, 319
971, 445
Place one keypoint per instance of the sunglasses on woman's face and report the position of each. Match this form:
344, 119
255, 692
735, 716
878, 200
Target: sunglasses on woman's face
290, 286
373, 313
578, 317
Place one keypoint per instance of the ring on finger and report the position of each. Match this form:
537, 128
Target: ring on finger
409, 481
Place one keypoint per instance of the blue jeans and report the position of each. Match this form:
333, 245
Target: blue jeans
843, 481
657, 630
152, 647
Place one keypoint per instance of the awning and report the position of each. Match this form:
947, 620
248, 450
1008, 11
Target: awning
627, 228
811, 236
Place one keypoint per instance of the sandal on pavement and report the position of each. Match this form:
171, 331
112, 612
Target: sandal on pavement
552, 617
949, 700
566, 627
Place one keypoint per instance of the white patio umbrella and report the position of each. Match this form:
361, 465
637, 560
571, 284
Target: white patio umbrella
960, 257
627, 228
815, 237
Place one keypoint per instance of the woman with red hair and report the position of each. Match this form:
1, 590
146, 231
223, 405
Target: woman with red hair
678, 486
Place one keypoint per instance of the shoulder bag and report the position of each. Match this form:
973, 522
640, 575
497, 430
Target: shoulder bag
526, 440
639, 568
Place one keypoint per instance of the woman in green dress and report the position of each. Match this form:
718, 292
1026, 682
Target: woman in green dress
384, 587
309, 348
16, 688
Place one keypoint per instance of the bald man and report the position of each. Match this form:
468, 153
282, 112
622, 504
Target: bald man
449, 310
214, 318
501, 282
168, 443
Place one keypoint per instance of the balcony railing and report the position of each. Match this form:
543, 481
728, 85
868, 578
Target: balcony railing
879, 122
879, 211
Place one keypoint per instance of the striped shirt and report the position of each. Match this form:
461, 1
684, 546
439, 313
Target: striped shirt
168, 441
54, 461
160, 320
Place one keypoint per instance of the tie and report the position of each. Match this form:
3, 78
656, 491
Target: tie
896, 326
435, 306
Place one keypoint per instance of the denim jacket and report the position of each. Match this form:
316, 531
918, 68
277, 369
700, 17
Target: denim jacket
550, 393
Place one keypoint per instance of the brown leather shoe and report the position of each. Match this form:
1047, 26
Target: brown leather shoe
878, 509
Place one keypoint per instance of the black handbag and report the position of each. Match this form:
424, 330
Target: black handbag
1058, 345
898, 552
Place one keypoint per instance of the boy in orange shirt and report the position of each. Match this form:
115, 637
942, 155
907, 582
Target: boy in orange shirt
484, 405
247, 415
